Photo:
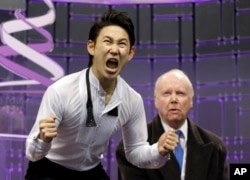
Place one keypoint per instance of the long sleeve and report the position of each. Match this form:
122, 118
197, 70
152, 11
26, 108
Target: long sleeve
36, 149
137, 149
127, 170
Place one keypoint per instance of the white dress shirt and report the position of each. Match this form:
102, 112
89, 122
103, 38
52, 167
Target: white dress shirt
183, 142
79, 147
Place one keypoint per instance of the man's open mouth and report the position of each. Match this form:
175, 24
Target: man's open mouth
112, 63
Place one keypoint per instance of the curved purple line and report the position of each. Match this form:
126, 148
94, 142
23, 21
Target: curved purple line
24, 72
41, 47
21, 70
42, 31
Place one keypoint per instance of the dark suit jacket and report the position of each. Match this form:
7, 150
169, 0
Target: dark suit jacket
205, 160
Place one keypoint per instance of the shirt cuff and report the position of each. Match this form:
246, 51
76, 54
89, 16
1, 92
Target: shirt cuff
40, 144
159, 159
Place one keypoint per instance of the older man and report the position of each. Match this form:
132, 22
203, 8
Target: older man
204, 154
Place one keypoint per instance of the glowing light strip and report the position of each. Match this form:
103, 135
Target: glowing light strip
32, 51
21, 91
18, 136
112, 2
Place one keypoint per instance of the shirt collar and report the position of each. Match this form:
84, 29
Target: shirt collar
117, 94
93, 80
183, 128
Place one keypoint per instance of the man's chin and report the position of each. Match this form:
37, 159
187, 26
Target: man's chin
175, 118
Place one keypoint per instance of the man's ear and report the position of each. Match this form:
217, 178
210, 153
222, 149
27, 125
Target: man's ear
131, 53
91, 47
155, 102
191, 103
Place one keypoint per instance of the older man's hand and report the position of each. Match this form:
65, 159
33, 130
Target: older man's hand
167, 142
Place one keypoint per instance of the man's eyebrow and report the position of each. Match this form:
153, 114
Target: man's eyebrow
106, 36
109, 37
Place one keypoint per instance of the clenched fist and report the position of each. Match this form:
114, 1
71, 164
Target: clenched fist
48, 129
167, 142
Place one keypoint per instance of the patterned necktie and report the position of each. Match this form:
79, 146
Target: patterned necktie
178, 150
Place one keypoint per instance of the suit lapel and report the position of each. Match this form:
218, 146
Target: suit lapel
171, 169
198, 154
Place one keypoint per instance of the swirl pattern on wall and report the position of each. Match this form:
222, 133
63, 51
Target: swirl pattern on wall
33, 52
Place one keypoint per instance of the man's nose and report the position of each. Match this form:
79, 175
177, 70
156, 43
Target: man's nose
114, 49
174, 98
